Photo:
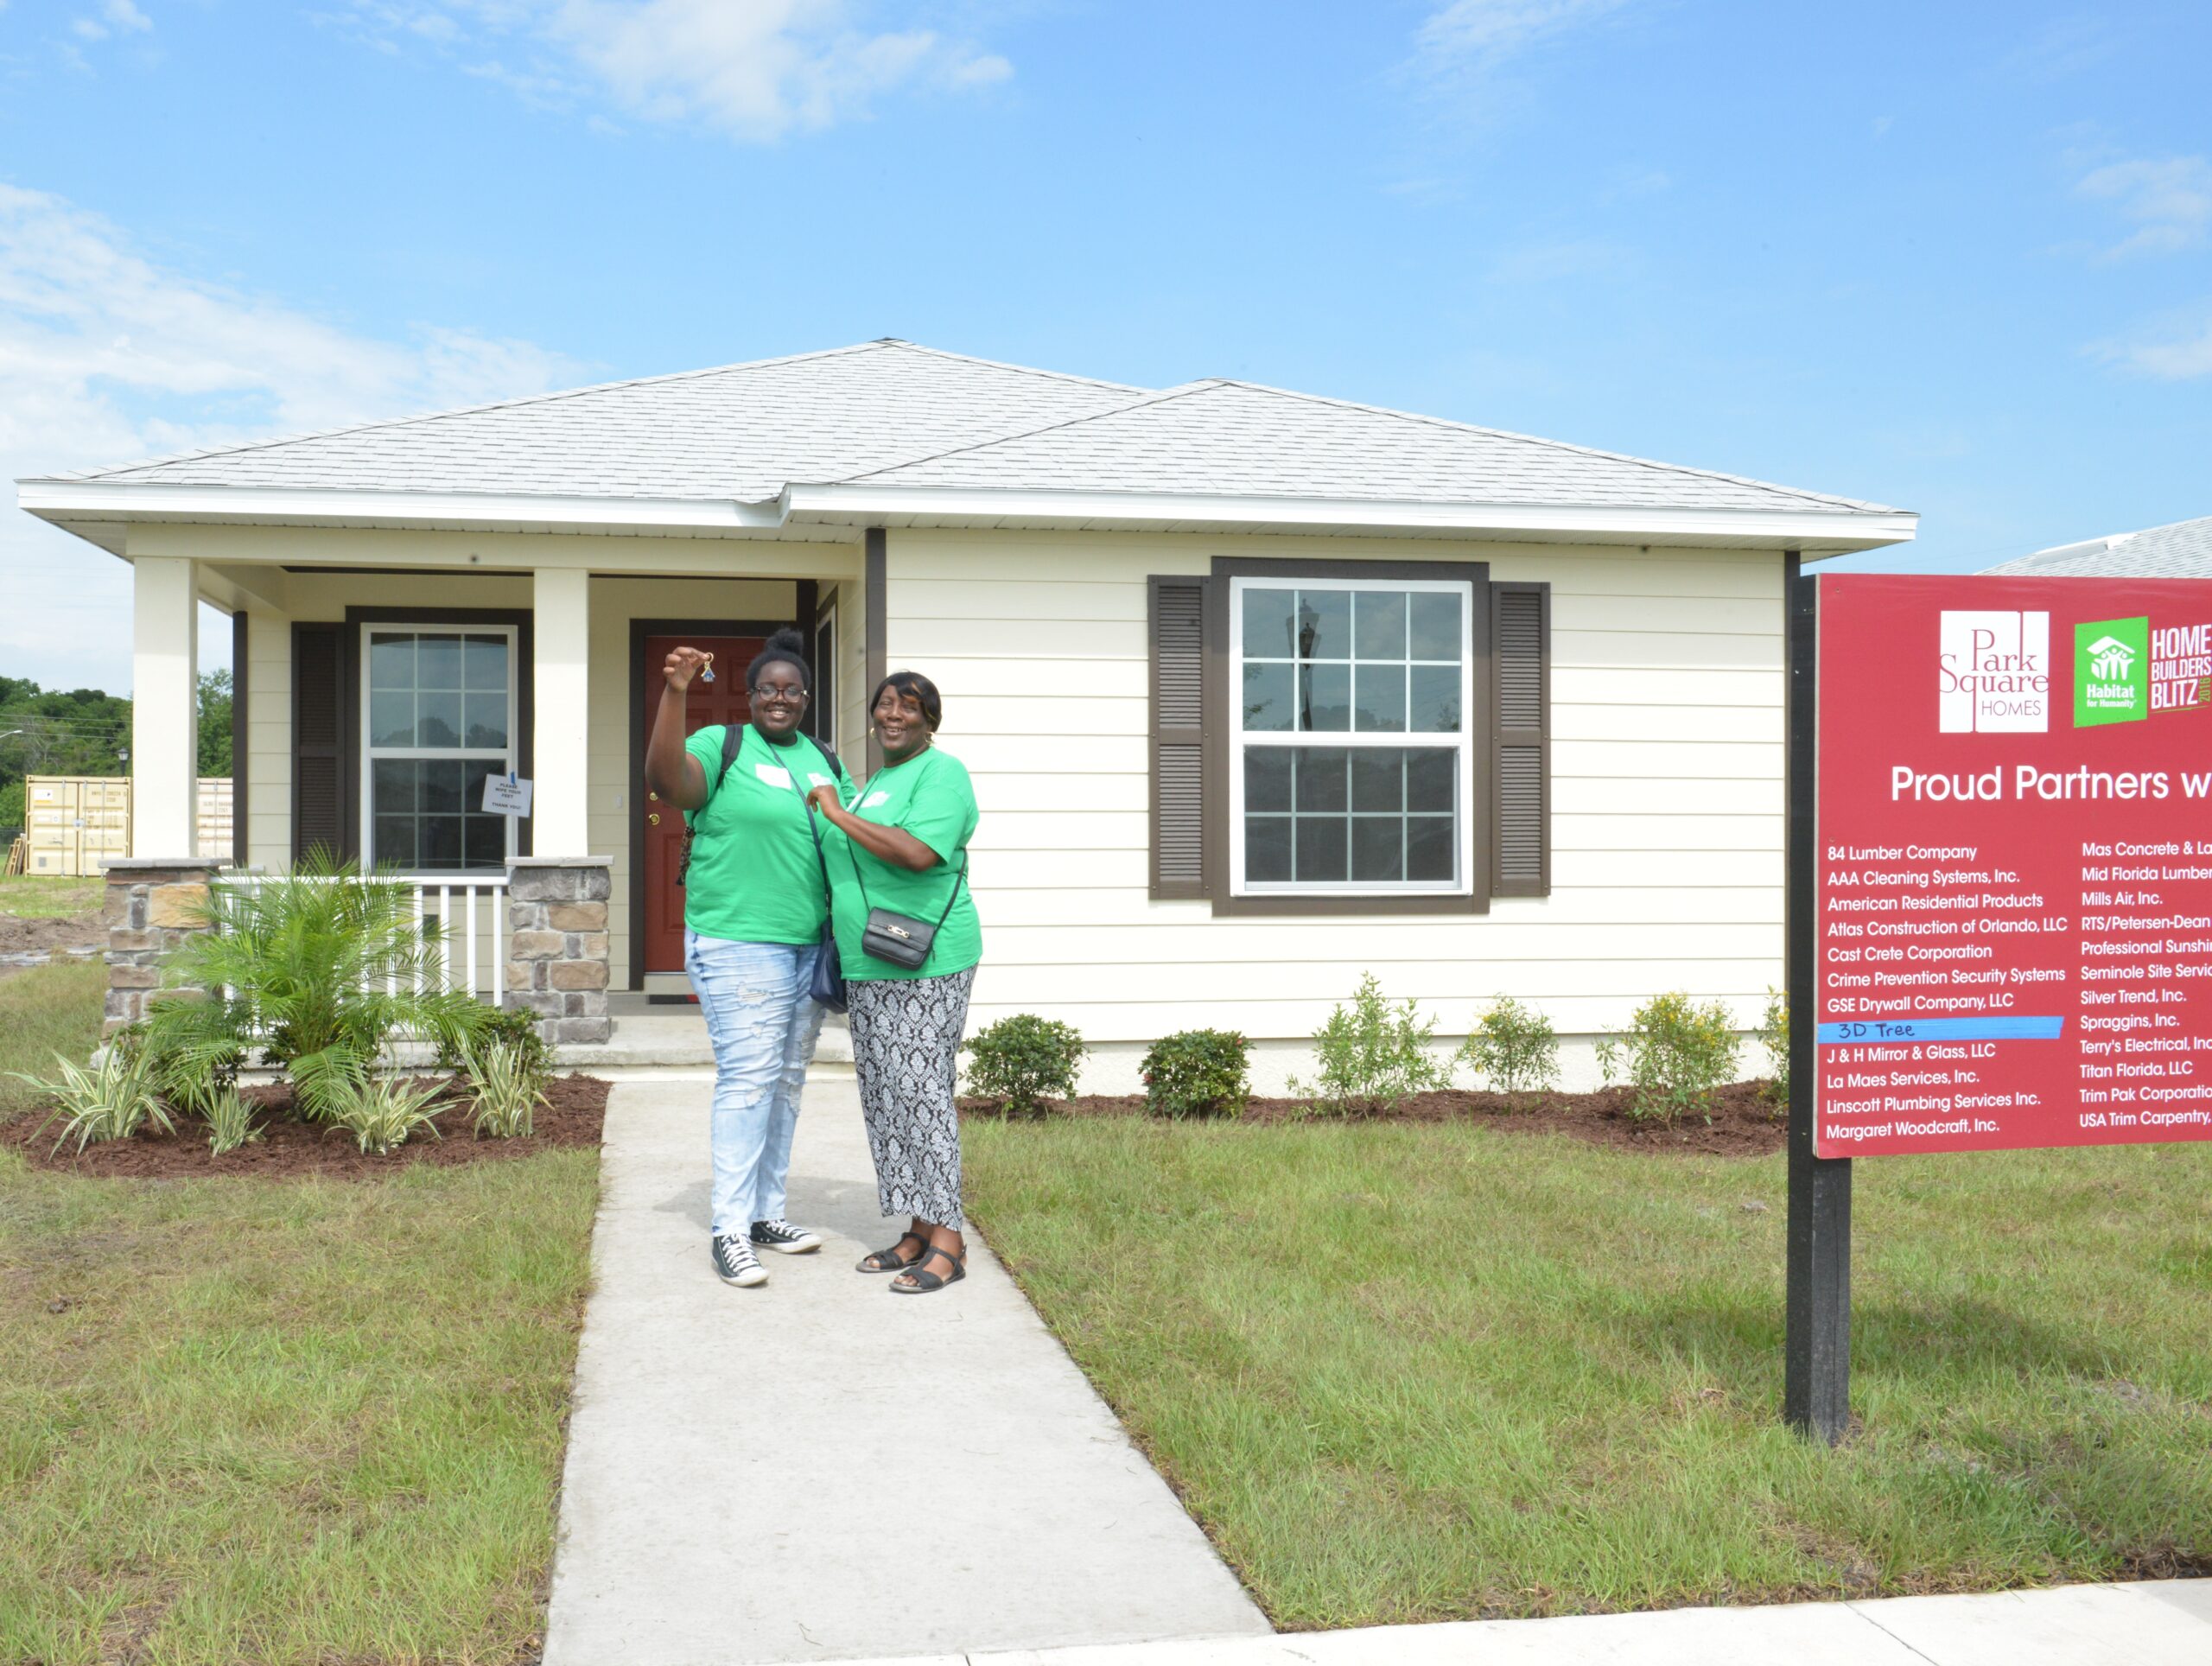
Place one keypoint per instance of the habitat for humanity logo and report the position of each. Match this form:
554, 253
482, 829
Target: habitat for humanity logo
1995, 672
2112, 671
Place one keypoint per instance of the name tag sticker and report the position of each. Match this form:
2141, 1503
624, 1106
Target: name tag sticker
873, 799
774, 775
819, 780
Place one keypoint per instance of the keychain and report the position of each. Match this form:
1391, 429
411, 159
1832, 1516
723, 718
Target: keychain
707, 669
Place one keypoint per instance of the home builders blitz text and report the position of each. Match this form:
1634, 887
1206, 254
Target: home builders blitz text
2013, 902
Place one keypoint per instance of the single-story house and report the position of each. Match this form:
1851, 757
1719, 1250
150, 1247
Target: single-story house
2177, 550
1259, 689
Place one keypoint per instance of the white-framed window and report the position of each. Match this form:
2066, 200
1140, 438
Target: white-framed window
1352, 754
439, 713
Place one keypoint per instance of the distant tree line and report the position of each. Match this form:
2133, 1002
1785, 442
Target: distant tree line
86, 732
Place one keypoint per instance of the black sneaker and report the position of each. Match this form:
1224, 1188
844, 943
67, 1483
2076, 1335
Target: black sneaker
735, 1263
782, 1235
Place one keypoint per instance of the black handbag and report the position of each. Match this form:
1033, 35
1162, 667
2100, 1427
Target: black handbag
901, 939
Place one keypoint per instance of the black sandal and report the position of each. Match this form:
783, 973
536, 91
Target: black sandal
925, 1283
890, 1261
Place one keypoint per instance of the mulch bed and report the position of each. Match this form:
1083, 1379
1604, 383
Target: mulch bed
1746, 1121
575, 1107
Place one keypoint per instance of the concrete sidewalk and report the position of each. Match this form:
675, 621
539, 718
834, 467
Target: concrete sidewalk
745, 1467
2164, 1624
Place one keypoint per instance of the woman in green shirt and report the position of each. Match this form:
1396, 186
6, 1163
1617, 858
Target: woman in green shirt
753, 918
902, 848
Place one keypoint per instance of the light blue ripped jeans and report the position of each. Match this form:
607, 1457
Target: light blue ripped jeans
763, 1024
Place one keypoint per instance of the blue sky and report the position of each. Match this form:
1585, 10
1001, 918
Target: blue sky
1956, 258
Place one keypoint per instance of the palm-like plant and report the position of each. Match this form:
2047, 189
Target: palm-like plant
320, 968
111, 1101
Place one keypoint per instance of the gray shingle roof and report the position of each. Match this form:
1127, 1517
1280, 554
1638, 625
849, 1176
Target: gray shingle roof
890, 414
740, 432
2177, 550
1238, 439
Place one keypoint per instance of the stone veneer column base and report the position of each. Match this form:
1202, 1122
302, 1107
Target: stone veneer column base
153, 903
558, 963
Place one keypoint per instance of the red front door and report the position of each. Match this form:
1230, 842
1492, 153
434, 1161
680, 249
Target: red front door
722, 701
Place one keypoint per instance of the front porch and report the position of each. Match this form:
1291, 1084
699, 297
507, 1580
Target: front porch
382, 678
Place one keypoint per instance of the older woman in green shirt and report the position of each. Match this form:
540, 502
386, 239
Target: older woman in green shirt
903, 848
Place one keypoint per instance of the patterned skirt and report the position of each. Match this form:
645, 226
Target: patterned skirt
907, 1053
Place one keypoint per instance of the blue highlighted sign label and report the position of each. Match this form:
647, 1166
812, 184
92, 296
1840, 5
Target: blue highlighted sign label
1881, 1031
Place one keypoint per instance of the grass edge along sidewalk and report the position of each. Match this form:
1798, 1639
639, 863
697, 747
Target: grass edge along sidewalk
277, 1420
1405, 1373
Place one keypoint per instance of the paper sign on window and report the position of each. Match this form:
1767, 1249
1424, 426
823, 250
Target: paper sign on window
504, 795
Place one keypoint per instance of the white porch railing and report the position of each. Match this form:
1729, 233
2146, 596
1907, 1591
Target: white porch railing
475, 948
470, 954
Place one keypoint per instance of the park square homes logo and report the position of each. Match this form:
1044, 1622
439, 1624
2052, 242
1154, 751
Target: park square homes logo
1993, 672
2112, 671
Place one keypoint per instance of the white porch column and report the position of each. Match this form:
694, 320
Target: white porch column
164, 707
561, 687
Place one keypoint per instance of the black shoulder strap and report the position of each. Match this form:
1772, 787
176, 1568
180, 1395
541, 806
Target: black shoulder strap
732, 743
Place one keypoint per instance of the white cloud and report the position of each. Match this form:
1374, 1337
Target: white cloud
2178, 349
106, 358
757, 70
1468, 42
2169, 199
1557, 262
115, 16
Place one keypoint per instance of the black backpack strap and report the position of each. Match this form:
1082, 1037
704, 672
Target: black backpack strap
733, 742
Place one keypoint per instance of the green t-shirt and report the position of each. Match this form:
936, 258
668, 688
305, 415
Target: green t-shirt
932, 797
754, 877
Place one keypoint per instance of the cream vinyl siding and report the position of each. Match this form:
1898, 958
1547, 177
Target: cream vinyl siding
1667, 765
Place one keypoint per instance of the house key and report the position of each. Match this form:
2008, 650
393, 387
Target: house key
707, 669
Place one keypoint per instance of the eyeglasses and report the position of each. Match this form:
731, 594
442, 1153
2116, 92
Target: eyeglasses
779, 697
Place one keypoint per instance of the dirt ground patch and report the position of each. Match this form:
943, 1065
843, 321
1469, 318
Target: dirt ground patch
43, 937
575, 1107
1745, 1121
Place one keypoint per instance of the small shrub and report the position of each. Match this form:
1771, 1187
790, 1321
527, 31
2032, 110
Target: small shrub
1676, 1053
381, 1114
508, 1091
326, 1082
1371, 1056
1022, 1059
1774, 1037
505, 1026
1198, 1073
230, 1121
113, 1100
1512, 1048
320, 963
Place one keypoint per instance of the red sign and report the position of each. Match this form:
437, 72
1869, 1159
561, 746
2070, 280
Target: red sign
2013, 907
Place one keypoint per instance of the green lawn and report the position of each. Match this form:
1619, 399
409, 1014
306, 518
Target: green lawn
280, 1420
44, 896
44, 1010
1412, 1373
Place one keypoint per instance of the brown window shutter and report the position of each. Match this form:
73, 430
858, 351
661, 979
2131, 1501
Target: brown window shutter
1177, 620
320, 749
1521, 739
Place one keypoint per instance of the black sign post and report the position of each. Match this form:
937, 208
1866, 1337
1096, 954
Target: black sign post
1816, 1347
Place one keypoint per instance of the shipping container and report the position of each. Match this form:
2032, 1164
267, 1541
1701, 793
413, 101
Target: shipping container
214, 820
76, 823
80, 824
